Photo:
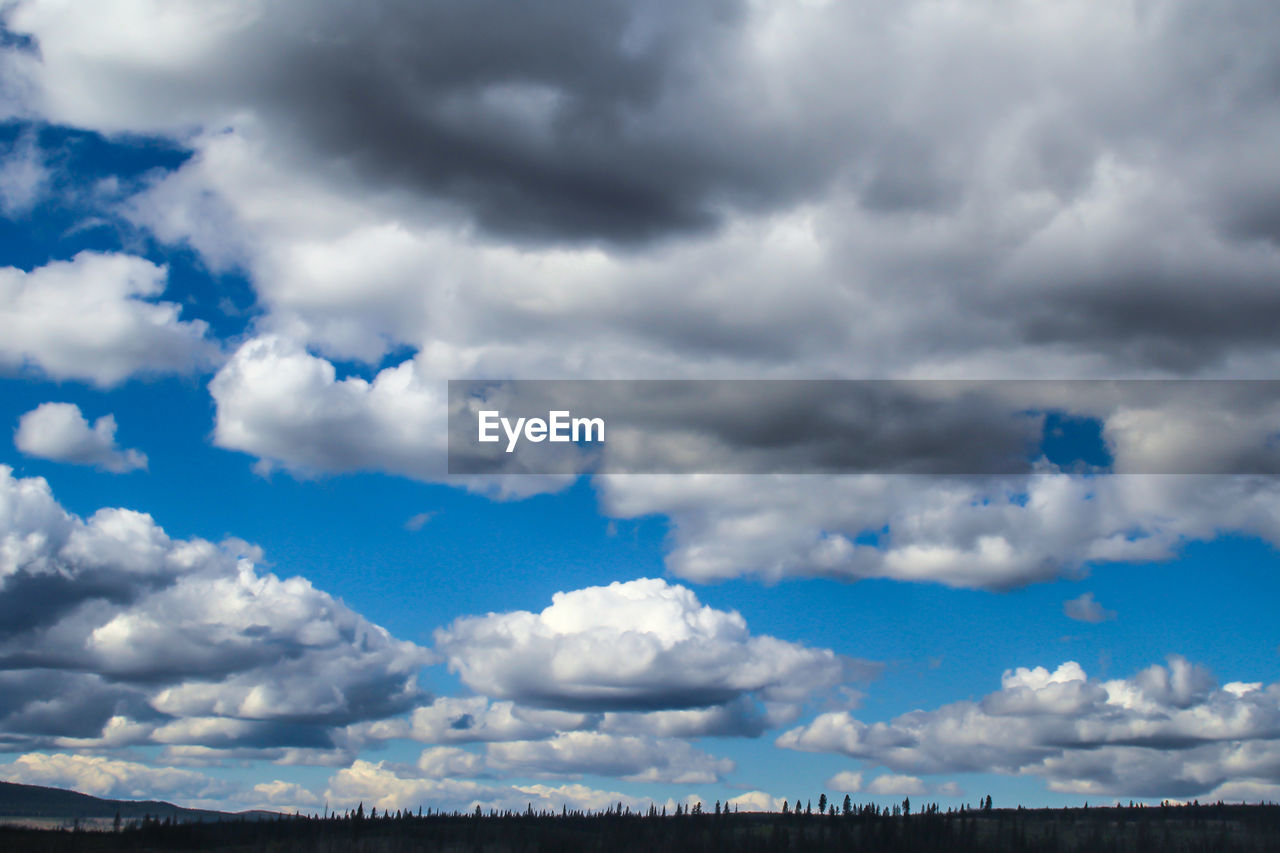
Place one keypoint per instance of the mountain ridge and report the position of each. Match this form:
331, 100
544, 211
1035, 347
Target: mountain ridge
18, 800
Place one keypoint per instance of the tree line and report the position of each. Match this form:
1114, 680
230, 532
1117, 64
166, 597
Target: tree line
869, 828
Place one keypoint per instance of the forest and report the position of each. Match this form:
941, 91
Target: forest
1167, 828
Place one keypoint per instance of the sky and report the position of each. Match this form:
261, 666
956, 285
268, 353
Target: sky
244, 246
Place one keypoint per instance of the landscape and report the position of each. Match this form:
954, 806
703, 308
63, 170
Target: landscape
1182, 828
612, 425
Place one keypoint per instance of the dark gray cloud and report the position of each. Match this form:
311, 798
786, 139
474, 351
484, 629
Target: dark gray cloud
581, 120
933, 427
42, 707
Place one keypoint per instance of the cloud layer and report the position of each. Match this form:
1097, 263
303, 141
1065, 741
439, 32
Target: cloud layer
910, 198
1168, 731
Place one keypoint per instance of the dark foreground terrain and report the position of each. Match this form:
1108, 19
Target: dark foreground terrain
1166, 829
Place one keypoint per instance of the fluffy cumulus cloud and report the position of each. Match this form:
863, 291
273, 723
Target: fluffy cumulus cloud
609, 681
643, 645
756, 801
94, 318
286, 406
59, 431
114, 634
1166, 731
450, 762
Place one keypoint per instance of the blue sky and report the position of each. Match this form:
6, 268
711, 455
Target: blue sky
263, 284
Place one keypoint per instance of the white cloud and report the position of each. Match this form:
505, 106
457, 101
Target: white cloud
1084, 608
640, 645
91, 318
380, 785
286, 406
450, 762
109, 777
635, 759
1166, 731
288, 795
757, 801
846, 781
982, 532
892, 784
58, 431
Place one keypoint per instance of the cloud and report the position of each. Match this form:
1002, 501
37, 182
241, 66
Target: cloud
635, 759
549, 752
1051, 227
890, 784
90, 318
644, 645
1034, 212
286, 406
1084, 608
450, 762
58, 431
475, 719
386, 787
23, 176
949, 789
1168, 731
991, 532
582, 122
111, 628
846, 781
290, 795
743, 717
756, 801
109, 777
419, 521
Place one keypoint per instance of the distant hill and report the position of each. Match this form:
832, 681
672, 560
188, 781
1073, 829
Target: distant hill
37, 802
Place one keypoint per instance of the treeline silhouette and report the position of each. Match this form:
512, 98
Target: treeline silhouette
1195, 828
